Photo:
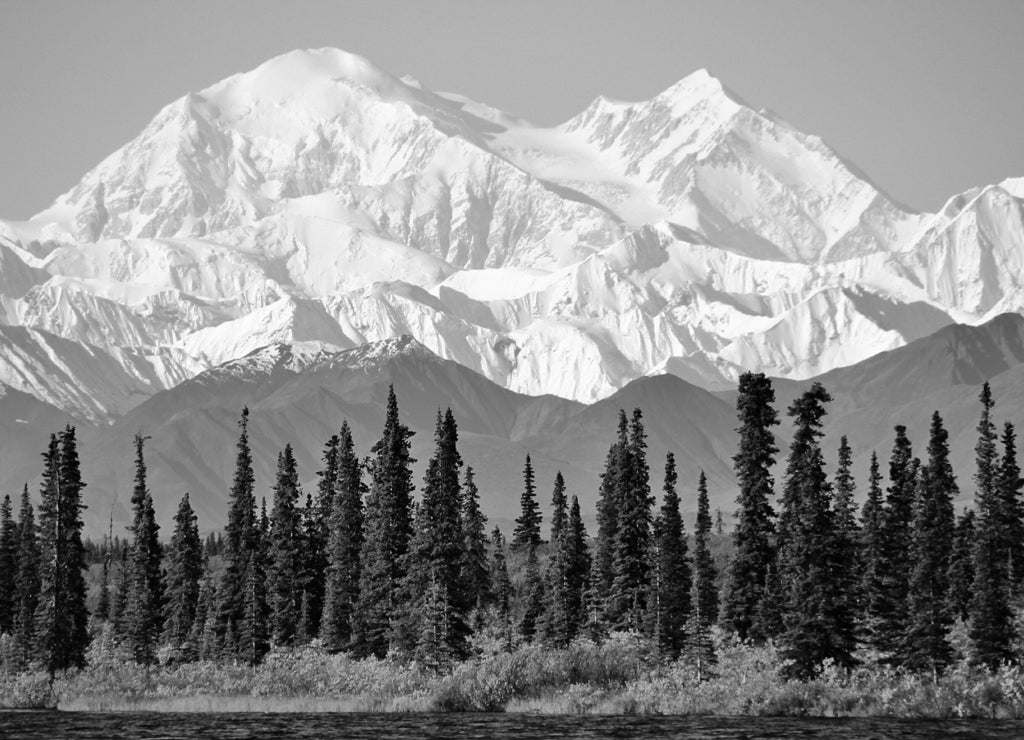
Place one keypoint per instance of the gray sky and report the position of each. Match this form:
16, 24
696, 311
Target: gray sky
924, 95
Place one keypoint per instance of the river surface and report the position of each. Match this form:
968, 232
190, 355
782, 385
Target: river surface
128, 726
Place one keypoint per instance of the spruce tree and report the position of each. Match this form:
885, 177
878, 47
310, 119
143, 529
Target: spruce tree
388, 529
184, 573
286, 552
628, 597
71, 487
873, 560
475, 566
8, 567
926, 642
890, 622
527, 532
343, 547
558, 628
437, 604
61, 619
816, 625
144, 618
991, 629
961, 567
578, 568
316, 526
27, 581
311, 576
608, 503
847, 562
240, 538
747, 604
991, 620
668, 600
704, 594
843, 506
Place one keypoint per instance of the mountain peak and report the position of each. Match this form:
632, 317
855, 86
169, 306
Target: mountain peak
288, 73
380, 353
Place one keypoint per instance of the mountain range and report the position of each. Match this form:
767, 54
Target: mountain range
300, 395
294, 237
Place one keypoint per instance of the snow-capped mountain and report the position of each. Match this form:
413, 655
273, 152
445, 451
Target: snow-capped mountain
322, 201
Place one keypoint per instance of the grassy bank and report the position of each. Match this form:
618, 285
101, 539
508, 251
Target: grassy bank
585, 678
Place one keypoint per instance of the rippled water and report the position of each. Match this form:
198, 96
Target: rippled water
59, 725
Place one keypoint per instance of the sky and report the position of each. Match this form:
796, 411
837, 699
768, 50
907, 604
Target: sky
923, 95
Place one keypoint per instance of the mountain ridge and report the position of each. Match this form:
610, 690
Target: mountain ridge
299, 395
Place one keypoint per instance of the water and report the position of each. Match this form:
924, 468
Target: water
73, 725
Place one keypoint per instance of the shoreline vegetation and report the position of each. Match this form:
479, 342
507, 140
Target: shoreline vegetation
585, 678
369, 598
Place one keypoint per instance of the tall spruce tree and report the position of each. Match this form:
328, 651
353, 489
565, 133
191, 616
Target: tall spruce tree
311, 573
817, 623
343, 546
437, 604
668, 600
991, 628
388, 529
316, 519
558, 627
890, 623
475, 576
961, 567
8, 567
578, 568
527, 532
747, 602
184, 572
286, 552
613, 481
61, 619
144, 617
871, 589
628, 597
27, 581
704, 594
926, 642
846, 543
240, 538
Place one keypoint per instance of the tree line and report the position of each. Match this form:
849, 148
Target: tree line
364, 566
